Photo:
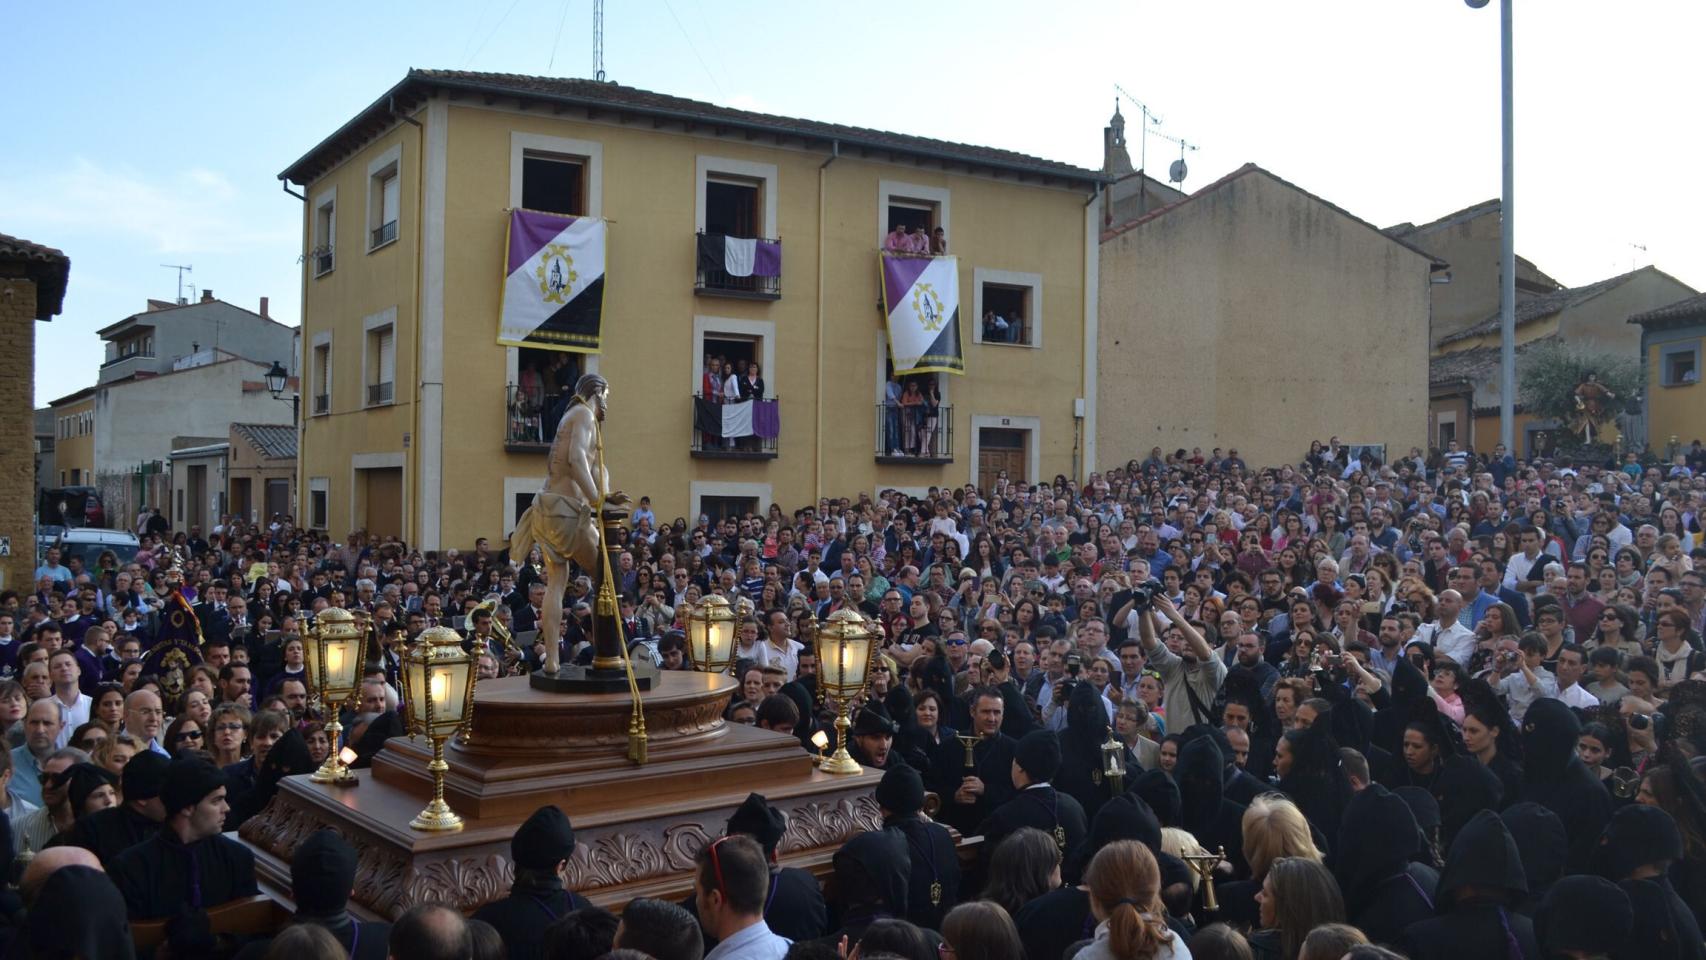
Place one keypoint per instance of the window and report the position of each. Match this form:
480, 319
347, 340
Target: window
320, 374
1679, 364
381, 364
553, 183
325, 233
319, 496
1008, 307
732, 207
388, 199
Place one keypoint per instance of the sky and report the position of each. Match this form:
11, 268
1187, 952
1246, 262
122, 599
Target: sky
154, 135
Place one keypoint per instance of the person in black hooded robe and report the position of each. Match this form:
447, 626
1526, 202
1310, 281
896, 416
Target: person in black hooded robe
991, 767
1205, 812
1584, 916
1157, 791
794, 907
1310, 776
1544, 846
1493, 738
188, 866
1037, 803
933, 884
1409, 688
78, 912
871, 876
1482, 882
1060, 918
1434, 761
1635, 851
1555, 777
539, 897
1380, 867
108, 833
322, 877
1240, 787
1081, 763
1425, 809
1352, 725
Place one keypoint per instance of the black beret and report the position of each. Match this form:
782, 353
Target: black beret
1636, 836
144, 776
901, 792
873, 721
84, 779
543, 840
756, 818
189, 779
1038, 754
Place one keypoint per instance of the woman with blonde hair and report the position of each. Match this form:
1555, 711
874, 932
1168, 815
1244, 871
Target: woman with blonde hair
1274, 827
1124, 883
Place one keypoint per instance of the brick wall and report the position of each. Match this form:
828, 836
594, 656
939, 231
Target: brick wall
17, 430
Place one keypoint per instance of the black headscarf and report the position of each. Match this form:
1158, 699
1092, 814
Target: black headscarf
1314, 782
79, 913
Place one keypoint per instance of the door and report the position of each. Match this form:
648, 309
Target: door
1000, 449
278, 499
197, 516
384, 502
241, 498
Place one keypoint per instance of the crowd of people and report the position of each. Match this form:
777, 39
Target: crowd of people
1444, 706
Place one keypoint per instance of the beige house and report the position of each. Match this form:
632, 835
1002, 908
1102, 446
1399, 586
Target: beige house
1256, 315
250, 474
1463, 374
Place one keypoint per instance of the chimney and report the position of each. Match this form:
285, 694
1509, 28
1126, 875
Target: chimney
264, 307
206, 295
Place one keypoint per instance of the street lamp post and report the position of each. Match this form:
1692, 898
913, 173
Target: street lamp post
277, 379
1507, 238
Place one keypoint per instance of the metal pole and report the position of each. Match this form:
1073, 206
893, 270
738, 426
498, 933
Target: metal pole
1507, 248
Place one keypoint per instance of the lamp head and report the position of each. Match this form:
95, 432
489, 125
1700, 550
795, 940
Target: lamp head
276, 378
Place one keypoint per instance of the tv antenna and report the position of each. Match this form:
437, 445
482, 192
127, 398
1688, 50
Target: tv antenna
1148, 118
182, 269
1178, 170
1635, 251
598, 40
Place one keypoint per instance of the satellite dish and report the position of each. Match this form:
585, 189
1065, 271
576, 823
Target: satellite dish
1476, 4
1177, 171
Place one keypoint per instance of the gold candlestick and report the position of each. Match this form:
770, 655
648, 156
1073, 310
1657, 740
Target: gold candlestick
1204, 864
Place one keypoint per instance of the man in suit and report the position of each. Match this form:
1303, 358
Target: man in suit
211, 613
528, 615
970, 791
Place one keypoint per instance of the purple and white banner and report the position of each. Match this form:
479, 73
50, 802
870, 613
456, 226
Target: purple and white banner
553, 288
740, 257
921, 297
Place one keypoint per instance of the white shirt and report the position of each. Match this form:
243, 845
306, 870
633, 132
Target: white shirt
1520, 567
1575, 696
788, 659
71, 717
1455, 641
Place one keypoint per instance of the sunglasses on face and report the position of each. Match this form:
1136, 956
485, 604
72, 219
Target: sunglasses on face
189, 735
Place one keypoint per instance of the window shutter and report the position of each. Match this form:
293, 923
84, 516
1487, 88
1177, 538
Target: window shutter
389, 201
387, 355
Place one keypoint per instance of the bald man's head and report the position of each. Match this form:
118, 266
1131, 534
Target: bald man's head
142, 715
50, 860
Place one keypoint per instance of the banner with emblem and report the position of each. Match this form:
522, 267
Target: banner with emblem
553, 290
921, 297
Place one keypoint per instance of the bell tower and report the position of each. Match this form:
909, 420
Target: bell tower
1116, 162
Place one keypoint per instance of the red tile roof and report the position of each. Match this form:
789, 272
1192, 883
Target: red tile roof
50, 269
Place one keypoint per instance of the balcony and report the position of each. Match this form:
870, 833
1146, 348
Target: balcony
383, 234
322, 263
529, 426
322, 404
379, 393
913, 435
139, 355
735, 431
762, 266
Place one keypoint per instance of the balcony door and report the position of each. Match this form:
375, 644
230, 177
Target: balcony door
1000, 450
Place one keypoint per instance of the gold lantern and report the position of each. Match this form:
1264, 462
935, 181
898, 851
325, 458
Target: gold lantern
844, 649
438, 689
711, 635
335, 650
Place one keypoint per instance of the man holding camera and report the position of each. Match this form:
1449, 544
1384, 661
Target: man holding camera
1190, 672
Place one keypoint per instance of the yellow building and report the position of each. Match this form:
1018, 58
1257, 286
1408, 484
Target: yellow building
417, 423
1675, 400
1464, 371
1469, 240
1255, 315
74, 438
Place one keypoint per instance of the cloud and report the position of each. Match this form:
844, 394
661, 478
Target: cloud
196, 210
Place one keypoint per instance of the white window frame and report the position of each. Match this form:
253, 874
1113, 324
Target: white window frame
764, 331
320, 485
379, 169
371, 324
1033, 445
521, 144
1677, 348
708, 168
897, 191
326, 200
321, 339
513, 487
1008, 278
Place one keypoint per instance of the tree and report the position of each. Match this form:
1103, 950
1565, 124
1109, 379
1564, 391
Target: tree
1551, 371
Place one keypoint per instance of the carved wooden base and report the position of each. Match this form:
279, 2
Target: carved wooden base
638, 827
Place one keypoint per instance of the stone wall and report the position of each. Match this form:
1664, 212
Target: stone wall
17, 430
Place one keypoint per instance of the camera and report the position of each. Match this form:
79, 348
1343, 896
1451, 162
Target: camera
1641, 721
1074, 664
1143, 595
